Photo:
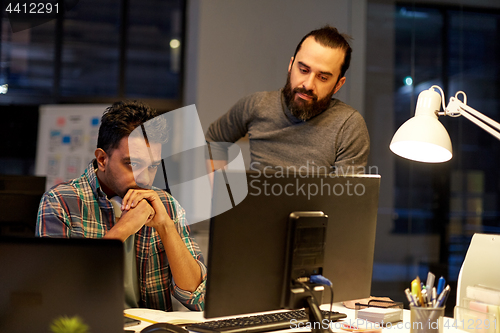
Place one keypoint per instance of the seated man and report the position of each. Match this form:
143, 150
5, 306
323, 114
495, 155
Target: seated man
163, 259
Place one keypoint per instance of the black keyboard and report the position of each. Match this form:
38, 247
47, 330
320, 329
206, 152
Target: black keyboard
260, 323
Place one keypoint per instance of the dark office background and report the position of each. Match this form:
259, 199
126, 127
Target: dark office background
104, 50
456, 47
97, 52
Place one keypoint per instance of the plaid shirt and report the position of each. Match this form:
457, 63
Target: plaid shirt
79, 208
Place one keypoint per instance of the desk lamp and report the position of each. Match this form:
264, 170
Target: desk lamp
423, 138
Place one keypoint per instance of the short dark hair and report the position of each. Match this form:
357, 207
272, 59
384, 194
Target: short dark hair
330, 37
121, 118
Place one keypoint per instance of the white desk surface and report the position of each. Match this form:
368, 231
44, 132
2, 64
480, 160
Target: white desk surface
193, 316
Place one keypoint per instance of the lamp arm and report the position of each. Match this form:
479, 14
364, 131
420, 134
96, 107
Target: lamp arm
486, 123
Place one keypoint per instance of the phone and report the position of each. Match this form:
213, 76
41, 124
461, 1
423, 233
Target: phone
130, 321
306, 237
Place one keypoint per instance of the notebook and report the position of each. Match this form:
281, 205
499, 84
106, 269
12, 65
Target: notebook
47, 282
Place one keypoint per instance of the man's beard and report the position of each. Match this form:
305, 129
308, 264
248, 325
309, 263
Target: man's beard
302, 109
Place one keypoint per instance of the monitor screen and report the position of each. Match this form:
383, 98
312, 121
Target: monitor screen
248, 243
49, 281
19, 200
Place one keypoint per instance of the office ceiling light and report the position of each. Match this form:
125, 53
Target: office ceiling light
423, 138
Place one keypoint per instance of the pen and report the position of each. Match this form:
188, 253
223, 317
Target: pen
140, 318
430, 282
447, 291
441, 284
443, 297
434, 296
416, 292
420, 295
424, 297
352, 328
410, 297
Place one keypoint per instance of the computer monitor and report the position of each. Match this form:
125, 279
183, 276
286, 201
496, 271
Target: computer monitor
248, 243
49, 281
19, 200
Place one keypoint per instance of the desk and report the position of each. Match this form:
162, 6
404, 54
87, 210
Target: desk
177, 317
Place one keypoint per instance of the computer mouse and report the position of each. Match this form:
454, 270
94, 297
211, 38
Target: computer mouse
164, 327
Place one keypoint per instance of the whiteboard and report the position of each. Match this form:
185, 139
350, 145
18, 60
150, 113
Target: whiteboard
67, 139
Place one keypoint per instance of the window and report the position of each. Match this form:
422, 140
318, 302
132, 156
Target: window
98, 51
429, 212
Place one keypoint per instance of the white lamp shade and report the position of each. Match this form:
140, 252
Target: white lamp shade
422, 138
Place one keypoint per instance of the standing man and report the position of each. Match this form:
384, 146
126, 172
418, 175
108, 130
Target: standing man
161, 259
301, 124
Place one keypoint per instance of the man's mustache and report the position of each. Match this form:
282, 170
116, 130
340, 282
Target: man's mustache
306, 92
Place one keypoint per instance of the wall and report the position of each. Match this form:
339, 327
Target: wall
239, 47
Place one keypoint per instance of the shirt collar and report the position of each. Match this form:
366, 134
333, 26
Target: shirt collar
91, 175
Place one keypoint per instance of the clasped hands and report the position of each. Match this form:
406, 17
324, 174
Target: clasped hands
139, 208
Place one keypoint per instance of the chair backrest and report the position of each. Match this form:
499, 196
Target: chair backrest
481, 264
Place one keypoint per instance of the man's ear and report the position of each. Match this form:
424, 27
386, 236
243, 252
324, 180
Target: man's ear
102, 159
290, 64
339, 84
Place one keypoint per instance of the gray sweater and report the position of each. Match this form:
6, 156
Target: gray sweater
338, 137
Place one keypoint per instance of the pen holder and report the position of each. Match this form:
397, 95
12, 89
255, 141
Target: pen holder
426, 319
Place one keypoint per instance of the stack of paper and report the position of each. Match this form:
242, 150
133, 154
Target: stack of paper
481, 306
484, 294
381, 315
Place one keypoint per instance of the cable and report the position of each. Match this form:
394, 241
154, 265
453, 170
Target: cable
320, 279
331, 304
